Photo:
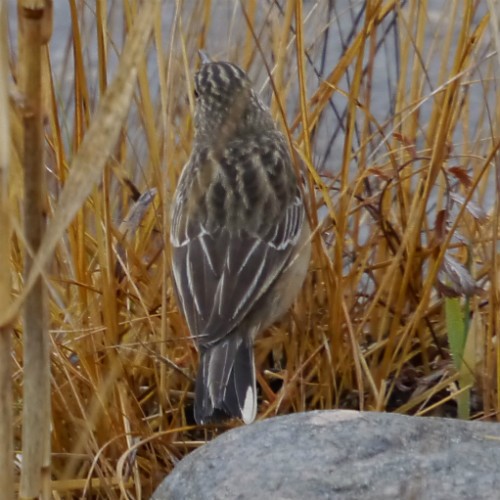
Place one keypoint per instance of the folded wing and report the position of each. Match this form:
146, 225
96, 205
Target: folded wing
220, 274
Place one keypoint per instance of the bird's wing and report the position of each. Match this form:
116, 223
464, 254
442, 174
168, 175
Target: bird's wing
220, 273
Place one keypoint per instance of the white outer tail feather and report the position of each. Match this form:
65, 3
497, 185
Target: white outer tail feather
249, 410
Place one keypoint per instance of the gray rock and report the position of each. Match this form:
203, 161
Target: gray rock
343, 455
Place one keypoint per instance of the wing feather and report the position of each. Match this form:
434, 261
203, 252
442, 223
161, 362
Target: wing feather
221, 271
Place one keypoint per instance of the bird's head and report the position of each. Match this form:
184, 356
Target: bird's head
226, 104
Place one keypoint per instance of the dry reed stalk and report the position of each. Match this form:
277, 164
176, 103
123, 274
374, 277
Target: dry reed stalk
494, 323
6, 400
35, 21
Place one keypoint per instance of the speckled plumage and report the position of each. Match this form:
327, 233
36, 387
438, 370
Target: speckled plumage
240, 238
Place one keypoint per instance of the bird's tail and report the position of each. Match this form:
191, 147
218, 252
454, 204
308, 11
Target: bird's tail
225, 385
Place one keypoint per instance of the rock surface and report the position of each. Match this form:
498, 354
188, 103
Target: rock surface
343, 455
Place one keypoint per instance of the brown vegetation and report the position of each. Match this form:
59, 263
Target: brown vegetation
400, 309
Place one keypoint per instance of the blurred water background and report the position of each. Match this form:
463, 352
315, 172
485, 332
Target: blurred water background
331, 25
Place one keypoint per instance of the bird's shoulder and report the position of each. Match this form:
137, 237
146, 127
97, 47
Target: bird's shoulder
247, 185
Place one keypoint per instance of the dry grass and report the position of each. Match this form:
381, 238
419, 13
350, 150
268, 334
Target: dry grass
399, 138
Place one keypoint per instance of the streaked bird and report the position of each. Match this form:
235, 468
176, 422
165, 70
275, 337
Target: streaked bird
240, 238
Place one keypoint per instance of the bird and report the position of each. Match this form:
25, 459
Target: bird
240, 238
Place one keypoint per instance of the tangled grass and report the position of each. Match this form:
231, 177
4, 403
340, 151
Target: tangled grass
392, 107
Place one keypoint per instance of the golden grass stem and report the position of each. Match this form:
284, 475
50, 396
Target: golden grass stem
7, 448
35, 30
168, 187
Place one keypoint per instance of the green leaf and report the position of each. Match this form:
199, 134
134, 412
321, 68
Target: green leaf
455, 327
